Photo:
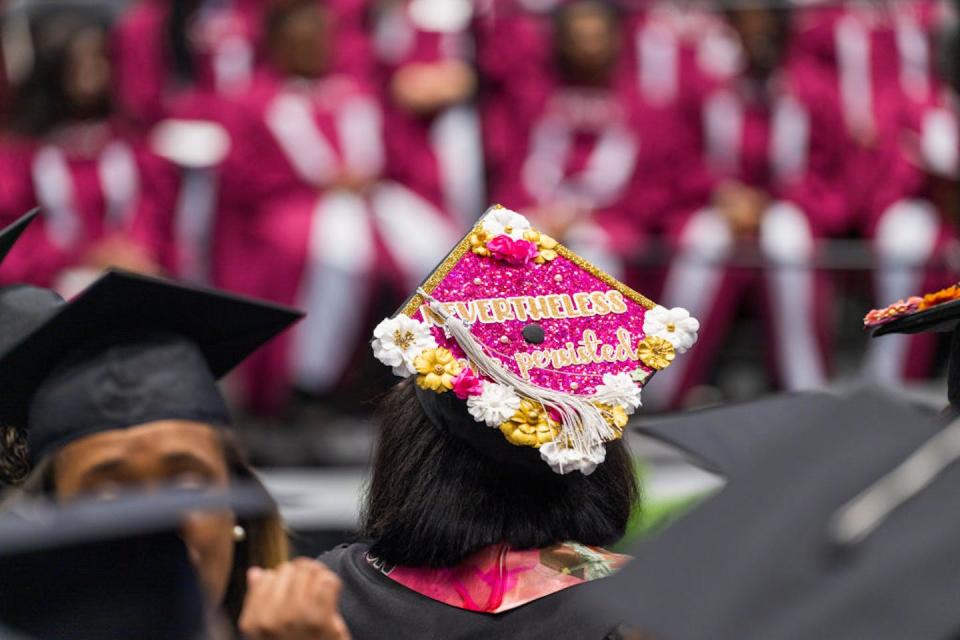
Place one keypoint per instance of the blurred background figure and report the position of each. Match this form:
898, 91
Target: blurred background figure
432, 128
170, 52
309, 187
70, 154
777, 167
770, 147
882, 67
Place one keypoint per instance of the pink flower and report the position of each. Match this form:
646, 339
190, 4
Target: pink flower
898, 309
467, 384
516, 252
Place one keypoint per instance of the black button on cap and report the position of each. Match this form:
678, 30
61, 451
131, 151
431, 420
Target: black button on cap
533, 333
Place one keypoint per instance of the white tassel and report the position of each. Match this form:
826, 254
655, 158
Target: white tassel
583, 427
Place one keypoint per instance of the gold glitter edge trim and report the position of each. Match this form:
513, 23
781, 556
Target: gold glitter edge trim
605, 277
442, 271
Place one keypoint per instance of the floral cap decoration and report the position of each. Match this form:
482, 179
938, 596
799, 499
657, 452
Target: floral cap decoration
911, 306
539, 343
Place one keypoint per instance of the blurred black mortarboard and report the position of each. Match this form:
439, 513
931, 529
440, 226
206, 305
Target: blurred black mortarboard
130, 349
22, 307
106, 570
845, 529
724, 439
942, 318
12, 233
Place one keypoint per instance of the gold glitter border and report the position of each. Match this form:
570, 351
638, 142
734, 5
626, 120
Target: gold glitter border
442, 271
602, 275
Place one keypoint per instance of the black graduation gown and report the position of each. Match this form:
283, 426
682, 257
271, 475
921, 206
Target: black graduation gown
376, 607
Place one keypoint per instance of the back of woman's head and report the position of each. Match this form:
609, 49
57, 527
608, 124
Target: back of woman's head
433, 499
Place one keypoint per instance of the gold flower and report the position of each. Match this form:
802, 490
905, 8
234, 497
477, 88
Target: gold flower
530, 426
546, 246
615, 415
478, 242
656, 353
437, 369
403, 339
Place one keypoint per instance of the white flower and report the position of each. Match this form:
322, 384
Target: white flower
397, 341
505, 222
564, 460
619, 388
495, 405
676, 326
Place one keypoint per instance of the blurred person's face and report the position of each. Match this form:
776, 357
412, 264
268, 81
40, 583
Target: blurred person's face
301, 43
762, 35
86, 80
588, 41
166, 454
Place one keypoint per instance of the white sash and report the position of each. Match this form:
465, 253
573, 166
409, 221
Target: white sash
193, 224
853, 56
458, 147
333, 290
723, 127
789, 138
606, 174
789, 142
56, 193
290, 119
658, 63
914, 50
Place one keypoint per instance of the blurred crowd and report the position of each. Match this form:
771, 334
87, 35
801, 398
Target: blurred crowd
326, 154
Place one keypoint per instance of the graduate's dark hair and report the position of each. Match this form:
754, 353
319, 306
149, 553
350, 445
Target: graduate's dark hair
14, 458
178, 38
433, 499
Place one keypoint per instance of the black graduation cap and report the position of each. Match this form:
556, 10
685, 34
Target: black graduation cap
107, 570
723, 439
942, 318
10, 234
130, 349
22, 307
845, 529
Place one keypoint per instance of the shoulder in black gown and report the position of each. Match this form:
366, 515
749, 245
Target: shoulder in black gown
374, 607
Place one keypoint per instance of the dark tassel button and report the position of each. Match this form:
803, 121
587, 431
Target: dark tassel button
533, 333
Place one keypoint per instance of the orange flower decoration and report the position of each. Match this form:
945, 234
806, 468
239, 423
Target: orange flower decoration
949, 294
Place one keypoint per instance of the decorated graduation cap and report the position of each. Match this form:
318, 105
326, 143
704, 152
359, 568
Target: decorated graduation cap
933, 312
849, 527
516, 333
129, 350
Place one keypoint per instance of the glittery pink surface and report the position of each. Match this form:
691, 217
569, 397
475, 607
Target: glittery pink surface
476, 277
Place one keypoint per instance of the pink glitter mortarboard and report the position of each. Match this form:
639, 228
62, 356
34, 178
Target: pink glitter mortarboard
560, 347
